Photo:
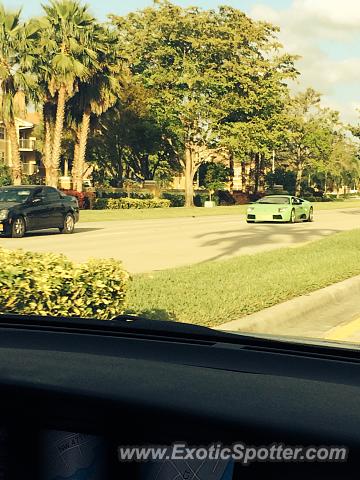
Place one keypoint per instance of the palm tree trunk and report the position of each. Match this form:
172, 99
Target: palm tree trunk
47, 160
58, 131
79, 159
16, 167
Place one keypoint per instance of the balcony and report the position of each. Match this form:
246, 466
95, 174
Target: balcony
27, 144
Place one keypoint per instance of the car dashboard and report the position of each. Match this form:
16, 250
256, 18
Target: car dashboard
73, 387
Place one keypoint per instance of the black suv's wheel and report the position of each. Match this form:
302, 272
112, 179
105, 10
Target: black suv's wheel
17, 228
69, 224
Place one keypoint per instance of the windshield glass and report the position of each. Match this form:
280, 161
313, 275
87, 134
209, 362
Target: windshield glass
14, 195
169, 148
275, 200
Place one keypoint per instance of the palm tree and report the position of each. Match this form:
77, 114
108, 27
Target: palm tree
16, 80
67, 50
95, 96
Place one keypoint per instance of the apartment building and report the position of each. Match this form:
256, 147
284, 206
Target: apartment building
27, 144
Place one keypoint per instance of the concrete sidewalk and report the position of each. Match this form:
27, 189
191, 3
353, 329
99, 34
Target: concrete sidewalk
332, 313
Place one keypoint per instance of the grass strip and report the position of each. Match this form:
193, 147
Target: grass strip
213, 293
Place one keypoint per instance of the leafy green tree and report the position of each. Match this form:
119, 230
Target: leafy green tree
216, 175
128, 143
16, 80
203, 70
285, 178
311, 129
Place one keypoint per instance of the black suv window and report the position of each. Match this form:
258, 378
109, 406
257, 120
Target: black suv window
51, 194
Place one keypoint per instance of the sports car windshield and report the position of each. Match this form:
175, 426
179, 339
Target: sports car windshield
14, 195
193, 161
274, 200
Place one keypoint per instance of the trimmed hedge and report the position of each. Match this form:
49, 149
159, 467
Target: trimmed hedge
127, 203
178, 199
139, 194
50, 284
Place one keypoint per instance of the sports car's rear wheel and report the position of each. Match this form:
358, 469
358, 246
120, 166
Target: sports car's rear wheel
311, 215
292, 216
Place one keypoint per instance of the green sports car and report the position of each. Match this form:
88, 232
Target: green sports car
280, 208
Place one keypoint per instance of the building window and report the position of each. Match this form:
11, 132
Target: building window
2, 156
2, 133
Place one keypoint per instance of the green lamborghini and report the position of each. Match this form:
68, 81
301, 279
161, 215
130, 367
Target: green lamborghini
280, 208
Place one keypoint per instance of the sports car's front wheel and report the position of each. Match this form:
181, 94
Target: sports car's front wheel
311, 215
292, 216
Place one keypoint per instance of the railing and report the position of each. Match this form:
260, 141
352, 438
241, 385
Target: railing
27, 143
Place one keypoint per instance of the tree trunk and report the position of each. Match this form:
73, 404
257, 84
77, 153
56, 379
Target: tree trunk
262, 172
299, 173
257, 172
243, 176
58, 131
16, 167
189, 178
79, 159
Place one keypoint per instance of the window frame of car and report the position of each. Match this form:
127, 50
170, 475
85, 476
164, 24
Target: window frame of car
51, 194
37, 193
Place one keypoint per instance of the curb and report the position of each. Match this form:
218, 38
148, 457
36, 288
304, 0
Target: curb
323, 303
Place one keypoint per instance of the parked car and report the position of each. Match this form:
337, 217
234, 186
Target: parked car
34, 207
280, 208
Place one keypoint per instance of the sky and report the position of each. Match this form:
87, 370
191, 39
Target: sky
325, 33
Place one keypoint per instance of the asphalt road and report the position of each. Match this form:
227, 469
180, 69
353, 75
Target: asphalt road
148, 245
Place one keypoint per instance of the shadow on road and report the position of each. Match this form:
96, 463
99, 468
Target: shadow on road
234, 242
351, 212
46, 233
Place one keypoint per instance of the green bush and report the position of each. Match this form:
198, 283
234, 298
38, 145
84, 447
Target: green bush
201, 198
127, 203
50, 284
5, 175
176, 199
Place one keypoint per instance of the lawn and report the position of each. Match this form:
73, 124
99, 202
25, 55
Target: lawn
146, 214
217, 292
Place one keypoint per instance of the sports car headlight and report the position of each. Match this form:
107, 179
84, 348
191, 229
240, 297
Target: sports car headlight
283, 209
250, 209
4, 214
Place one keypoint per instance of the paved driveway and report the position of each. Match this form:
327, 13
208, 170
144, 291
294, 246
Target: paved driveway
147, 245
